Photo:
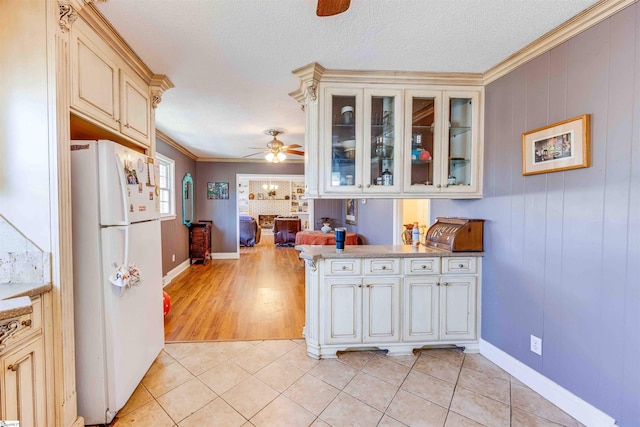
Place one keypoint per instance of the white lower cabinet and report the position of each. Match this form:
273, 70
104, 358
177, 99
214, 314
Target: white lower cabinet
363, 310
392, 304
23, 384
439, 308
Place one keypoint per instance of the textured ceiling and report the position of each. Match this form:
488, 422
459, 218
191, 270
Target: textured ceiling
231, 60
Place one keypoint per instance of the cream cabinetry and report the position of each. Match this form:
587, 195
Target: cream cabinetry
397, 304
361, 309
23, 384
105, 90
391, 134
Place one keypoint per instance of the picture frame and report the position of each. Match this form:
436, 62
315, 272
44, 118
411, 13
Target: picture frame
260, 196
558, 147
351, 211
217, 190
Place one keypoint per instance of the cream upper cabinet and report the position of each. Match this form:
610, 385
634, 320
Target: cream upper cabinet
391, 134
444, 155
364, 128
106, 91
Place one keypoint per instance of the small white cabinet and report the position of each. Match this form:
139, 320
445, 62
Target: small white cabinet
23, 384
362, 310
105, 90
396, 304
391, 134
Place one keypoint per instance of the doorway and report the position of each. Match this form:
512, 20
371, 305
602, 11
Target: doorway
408, 211
265, 196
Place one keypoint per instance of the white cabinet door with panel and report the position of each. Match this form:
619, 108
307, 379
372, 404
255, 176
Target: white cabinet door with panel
344, 320
421, 309
458, 308
381, 309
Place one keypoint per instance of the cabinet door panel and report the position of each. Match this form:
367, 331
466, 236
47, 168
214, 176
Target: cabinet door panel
345, 311
423, 150
94, 77
23, 390
462, 153
383, 137
458, 306
381, 309
421, 309
135, 109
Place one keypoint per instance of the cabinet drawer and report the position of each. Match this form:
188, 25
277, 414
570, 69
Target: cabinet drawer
27, 324
459, 265
382, 266
421, 266
344, 267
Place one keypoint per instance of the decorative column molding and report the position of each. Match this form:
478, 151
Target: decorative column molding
158, 85
69, 12
67, 15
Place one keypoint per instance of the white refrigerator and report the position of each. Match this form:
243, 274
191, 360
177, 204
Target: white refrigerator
117, 274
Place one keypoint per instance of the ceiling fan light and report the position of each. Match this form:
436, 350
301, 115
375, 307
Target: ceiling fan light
269, 156
281, 156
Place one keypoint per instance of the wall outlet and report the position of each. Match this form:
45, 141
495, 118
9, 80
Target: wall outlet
173, 258
536, 345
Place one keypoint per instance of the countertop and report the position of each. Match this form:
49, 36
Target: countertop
14, 298
313, 252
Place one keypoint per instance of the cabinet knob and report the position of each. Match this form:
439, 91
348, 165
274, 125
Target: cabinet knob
359, 185
437, 283
369, 286
424, 267
384, 267
359, 286
26, 322
126, 125
445, 284
12, 368
460, 265
344, 267
118, 121
368, 185
438, 185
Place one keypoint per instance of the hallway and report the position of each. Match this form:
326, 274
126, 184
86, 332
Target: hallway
258, 297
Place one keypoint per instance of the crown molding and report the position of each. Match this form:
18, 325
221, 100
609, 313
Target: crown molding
171, 142
99, 23
232, 160
574, 26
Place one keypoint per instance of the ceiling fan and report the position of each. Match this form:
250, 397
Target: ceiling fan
332, 7
276, 151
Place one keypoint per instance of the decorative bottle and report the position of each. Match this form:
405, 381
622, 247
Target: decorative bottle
415, 235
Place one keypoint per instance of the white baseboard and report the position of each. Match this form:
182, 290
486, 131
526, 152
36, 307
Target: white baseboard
177, 270
224, 255
582, 411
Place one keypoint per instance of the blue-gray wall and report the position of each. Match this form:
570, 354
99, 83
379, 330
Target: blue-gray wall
223, 213
562, 249
175, 235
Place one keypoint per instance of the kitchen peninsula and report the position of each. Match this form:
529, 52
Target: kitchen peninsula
391, 297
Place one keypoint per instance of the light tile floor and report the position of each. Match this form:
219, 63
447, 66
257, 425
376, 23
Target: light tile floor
274, 383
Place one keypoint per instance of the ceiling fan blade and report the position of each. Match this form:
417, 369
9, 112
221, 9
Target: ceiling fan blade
332, 7
299, 153
286, 147
254, 154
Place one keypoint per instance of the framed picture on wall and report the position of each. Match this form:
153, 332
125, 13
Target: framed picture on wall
351, 209
557, 147
217, 190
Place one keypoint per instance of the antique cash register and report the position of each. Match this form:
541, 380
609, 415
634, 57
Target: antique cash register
456, 234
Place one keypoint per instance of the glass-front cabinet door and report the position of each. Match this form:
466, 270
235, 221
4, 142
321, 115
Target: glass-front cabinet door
382, 140
423, 150
462, 156
344, 112
364, 140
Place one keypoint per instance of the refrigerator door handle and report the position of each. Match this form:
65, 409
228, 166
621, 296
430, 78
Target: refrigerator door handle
123, 190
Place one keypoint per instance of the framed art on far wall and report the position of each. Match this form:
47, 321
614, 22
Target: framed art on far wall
351, 208
561, 146
217, 190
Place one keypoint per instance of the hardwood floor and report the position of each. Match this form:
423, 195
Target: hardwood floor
260, 296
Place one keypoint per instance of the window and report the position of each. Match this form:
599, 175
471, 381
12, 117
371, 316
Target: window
166, 182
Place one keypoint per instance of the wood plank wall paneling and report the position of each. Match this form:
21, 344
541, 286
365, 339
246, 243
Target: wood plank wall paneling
563, 249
